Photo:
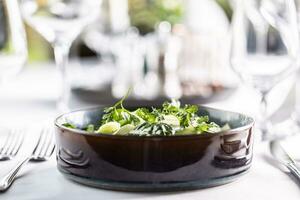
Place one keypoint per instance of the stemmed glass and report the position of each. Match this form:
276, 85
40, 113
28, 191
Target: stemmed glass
13, 46
60, 22
264, 48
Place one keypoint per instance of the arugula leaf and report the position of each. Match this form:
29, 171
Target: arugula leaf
118, 113
146, 115
69, 125
148, 129
172, 107
192, 109
184, 114
158, 114
90, 128
208, 127
201, 119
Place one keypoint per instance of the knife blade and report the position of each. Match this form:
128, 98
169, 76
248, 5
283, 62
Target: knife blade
284, 158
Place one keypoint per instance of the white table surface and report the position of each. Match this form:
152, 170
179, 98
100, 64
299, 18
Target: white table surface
30, 100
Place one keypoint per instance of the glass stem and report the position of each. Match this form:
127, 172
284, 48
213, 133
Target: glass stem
61, 54
265, 123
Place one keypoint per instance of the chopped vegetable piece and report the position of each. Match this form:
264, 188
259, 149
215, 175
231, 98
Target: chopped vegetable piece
171, 120
226, 127
109, 128
124, 130
186, 131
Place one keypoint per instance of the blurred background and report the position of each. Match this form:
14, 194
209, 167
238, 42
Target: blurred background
161, 49
142, 14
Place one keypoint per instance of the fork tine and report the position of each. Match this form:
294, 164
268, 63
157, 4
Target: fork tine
13, 143
48, 145
10, 145
5, 143
18, 144
38, 143
43, 143
52, 150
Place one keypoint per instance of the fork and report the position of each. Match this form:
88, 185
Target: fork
42, 151
12, 145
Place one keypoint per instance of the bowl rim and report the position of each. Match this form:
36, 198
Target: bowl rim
205, 134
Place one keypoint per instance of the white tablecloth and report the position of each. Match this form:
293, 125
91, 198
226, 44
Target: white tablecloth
30, 100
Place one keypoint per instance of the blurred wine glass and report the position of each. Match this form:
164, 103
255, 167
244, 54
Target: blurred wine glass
264, 48
119, 45
13, 46
60, 22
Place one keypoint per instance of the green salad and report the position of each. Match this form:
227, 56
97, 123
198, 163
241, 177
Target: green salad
171, 119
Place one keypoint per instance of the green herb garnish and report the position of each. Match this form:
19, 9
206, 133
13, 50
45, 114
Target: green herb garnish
118, 113
170, 119
90, 128
69, 125
150, 129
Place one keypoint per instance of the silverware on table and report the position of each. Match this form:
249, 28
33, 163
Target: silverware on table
42, 151
11, 145
284, 158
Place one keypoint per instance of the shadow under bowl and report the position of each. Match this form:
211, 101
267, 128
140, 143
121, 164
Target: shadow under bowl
157, 163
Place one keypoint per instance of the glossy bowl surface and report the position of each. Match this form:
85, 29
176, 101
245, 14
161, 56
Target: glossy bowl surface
160, 163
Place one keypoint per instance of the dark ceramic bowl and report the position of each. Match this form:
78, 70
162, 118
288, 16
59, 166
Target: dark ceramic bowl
159, 163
